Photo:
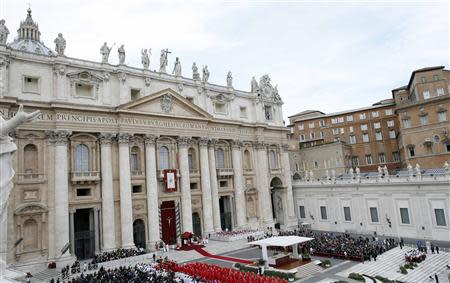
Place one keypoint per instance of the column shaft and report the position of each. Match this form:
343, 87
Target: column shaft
291, 219
262, 184
239, 194
126, 205
96, 231
214, 188
186, 205
152, 192
208, 222
72, 232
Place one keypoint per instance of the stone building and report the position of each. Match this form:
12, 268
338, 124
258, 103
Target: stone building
123, 156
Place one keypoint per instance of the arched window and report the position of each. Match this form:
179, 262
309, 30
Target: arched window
273, 159
135, 163
163, 158
191, 159
220, 158
30, 159
81, 158
30, 235
247, 160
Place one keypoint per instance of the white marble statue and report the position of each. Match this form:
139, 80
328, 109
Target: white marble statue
205, 74
105, 50
60, 44
177, 67
163, 61
3, 32
410, 170
350, 171
145, 59
7, 148
418, 171
358, 171
121, 52
385, 171
380, 171
195, 73
254, 85
229, 79
446, 166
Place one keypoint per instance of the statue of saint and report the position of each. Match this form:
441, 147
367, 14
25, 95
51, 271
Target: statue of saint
163, 60
145, 58
254, 85
121, 52
3, 32
105, 50
195, 73
60, 44
177, 67
229, 79
205, 74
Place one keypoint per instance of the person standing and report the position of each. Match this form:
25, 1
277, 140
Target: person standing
432, 248
436, 278
437, 249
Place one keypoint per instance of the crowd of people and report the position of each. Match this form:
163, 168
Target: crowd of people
415, 256
117, 254
236, 235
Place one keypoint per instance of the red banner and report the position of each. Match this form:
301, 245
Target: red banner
170, 180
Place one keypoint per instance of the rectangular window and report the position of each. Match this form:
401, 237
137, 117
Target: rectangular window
134, 162
243, 111
322, 123
335, 131
405, 123
342, 130
312, 135
137, 189
404, 215
83, 192
440, 217
442, 116
321, 134
302, 211
302, 137
355, 161
365, 137
435, 77
411, 151
424, 120
390, 123
311, 125
364, 127
223, 184
333, 121
382, 158
31, 84
388, 112
220, 108
301, 126
392, 134
347, 214
377, 125
316, 164
439, 91
369, 160
396, 156
426, 94
378, 136
135, 94
375, 114
350, 129
323, 212
350, 118
340, 119
352, 139
362, 116
423, 80
268, 112
194, 186
84, 90
373, 214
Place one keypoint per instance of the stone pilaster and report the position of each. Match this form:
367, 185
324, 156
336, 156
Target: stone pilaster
72, 231
152, 191
214, 187
208, 222
60, 81
51, 192
239, 194
291, 219
4, 74
186, 205
108, 215
126, 205
262, 184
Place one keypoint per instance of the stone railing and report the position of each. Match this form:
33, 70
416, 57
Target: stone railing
225, 171
30, 177
86, 176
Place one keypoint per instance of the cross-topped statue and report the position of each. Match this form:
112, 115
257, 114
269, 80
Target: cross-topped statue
163, 61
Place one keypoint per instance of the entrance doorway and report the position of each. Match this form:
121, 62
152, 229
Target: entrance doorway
84, 233
168, 222
277, 201
196, 224
139, 233
225, 213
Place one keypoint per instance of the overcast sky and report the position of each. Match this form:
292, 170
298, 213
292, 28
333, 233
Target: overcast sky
325, 55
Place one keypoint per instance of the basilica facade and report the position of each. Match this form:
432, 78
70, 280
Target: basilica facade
123, 156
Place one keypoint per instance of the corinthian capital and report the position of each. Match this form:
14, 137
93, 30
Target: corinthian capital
106, 138
183, 141
236, 144
212, 142
150, 139
260, 145
203, 141
123, 138
61, 136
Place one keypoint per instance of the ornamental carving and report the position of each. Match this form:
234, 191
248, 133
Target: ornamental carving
166, 103
150, 139
122, 77
106, 138
236, 144
183, 141
147, 81
124, 138
203, 141
266, 91
60, 137
260, 145
59, 70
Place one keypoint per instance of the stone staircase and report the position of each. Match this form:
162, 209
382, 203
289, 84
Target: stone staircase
308, 270
387, 265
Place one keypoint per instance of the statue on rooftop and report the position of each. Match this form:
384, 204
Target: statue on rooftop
145, 59
254, 85
177, 67
205, 74
121, 52
229, 79
3, 32
105, 50
60, 44
195, 73
163, 61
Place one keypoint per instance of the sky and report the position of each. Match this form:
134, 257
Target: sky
329, 55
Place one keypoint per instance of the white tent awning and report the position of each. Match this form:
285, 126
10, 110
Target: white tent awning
281, 241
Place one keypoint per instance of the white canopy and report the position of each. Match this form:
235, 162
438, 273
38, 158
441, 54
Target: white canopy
281, 241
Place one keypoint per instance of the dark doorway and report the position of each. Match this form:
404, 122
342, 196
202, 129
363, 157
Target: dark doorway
84, 233
225, 213
168, 222
139, 233
196, 224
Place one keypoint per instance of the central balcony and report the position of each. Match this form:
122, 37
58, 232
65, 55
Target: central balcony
225, 172
85, 177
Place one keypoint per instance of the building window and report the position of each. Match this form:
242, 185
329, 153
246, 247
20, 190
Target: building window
302, 137
333, 121
390, 123
163, 158
30, 235
311, 125
347, 214
435, 77
424, 120
220, 108
411, 151
442, 116
377, 125
335, 131
375, 114
321, 134
302, 211
350, 118
362, 116
405, 123
312, 135
322, 123
220, 158
301, 126
388, 112
316, 164
31, 84
369, 160
243, 112
426, 94
423, 80
340, 119
392, 134
352, 139
135, 93
440, 217
448, 147
268, 112
273, 160
83, 192
404, 215
364, 127
323, 212
84, 90
365, 137
191, 159
382, 158
134, 159
342, 130
440, 91
30, 159
378, 136
373, 214
81, 158
137, 189
396, 156
223, 184
355, 161
350, 129
247, 160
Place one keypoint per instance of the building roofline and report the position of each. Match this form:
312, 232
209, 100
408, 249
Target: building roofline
423, 70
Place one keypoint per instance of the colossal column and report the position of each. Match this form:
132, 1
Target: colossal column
290, 213
126, 206
186, 205
239, 194
208, 221
108, 218
214, 188
61, 191
152, 191
262, 184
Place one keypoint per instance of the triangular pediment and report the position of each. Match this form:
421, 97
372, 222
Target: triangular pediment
166, 102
